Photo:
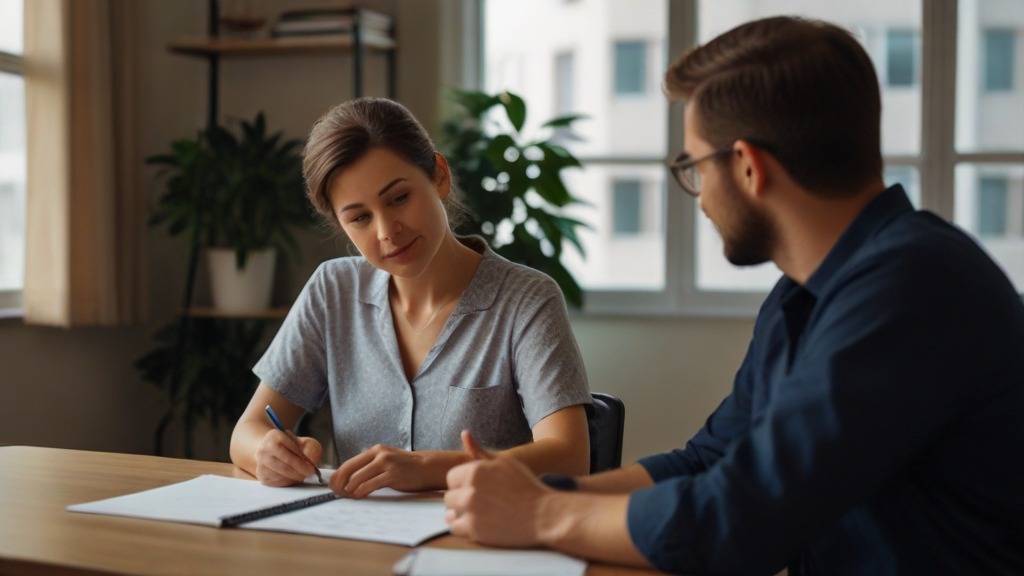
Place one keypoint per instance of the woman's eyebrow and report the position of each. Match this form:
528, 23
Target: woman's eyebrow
382, 191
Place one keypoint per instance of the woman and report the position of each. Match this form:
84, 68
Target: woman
423, 336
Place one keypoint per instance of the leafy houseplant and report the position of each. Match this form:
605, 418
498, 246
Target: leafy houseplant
204, 368
244, 192
513, 185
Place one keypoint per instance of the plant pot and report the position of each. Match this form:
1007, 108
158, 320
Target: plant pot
242, 291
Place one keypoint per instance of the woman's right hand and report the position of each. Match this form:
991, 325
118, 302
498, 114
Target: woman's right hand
283, 459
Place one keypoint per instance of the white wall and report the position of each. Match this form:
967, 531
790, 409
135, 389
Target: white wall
77, 389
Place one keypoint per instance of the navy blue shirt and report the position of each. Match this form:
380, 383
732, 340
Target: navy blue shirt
876, 425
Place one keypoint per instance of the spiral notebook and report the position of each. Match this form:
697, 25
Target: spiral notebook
384, 516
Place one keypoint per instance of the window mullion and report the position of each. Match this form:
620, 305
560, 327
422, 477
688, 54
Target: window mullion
938, 105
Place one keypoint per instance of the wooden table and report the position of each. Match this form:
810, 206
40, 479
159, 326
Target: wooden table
38, 536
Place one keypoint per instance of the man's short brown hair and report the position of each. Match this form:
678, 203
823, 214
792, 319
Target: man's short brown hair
803, 90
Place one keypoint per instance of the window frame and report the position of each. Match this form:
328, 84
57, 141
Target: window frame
935, 163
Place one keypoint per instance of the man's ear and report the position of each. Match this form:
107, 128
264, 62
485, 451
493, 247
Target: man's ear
751, 168
442, 176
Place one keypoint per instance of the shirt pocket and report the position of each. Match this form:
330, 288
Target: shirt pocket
493, 415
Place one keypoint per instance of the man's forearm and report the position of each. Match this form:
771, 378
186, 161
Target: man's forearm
590, 526
618, 481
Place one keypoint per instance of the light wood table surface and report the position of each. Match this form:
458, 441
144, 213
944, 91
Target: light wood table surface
38, 536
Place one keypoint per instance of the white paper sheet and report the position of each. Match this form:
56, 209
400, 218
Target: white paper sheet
444, 562
386, 516
404, 521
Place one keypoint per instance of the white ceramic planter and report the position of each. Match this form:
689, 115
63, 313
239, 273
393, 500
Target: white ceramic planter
242, 291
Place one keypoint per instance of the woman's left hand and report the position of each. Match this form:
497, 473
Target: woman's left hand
386, 466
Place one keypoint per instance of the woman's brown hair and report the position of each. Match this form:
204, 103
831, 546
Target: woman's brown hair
349, 130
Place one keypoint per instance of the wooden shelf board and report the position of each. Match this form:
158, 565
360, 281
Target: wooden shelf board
240, 46
268, 314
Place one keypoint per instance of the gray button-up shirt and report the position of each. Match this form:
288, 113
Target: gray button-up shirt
505, 359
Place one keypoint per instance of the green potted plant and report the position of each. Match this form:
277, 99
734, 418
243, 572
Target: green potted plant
204, 368
513, 184
240, 197
240, 194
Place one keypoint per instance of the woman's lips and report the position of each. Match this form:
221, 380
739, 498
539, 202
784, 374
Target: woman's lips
400, 251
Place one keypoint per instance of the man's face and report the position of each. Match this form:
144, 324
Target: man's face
748, 233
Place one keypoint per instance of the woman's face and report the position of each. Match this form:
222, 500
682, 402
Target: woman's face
391, 211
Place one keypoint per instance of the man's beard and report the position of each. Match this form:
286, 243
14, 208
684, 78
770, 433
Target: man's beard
750, 238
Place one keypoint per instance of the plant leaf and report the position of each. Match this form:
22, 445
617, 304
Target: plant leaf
515, 108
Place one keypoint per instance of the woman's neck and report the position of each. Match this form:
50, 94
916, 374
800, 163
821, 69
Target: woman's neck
447, 277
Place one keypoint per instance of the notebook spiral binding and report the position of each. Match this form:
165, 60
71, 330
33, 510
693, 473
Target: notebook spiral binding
238, 519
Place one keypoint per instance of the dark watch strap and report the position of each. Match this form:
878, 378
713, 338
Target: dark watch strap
559, 481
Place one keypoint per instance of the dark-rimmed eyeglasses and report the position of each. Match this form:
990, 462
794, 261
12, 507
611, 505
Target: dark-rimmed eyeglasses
684, 170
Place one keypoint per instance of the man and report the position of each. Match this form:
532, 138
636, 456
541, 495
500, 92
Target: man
876, 425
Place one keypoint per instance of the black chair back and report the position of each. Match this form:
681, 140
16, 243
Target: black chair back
605, 419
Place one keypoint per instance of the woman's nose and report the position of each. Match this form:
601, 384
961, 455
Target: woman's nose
388, 228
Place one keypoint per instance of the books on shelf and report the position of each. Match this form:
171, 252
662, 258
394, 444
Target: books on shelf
330, 21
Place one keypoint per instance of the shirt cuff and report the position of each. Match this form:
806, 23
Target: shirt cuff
657, 530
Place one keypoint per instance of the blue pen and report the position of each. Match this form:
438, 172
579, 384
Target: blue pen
277, 424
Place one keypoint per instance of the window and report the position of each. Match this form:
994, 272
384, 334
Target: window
943, 131
12, 155
626, 207
901, 58
630, 67
999, 59
991, 218
565, 86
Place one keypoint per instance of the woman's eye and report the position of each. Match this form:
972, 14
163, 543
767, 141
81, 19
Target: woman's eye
401, 198
361, 218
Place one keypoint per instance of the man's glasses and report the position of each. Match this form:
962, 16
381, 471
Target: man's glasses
684, 170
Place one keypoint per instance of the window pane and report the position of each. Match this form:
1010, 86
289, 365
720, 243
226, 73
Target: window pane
990, 94
12, 182
990, 205
11, 31
909, 177
630, 76
597, 46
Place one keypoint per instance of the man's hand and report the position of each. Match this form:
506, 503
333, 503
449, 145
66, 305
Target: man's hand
494, 501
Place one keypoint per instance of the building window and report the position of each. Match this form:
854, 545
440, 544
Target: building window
630, 67
626, 207
901, 58
565, 83
999, 50
991, 210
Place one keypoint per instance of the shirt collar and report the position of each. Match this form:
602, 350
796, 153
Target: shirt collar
890, 203
479, 295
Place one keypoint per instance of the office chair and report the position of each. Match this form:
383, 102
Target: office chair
605, 419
